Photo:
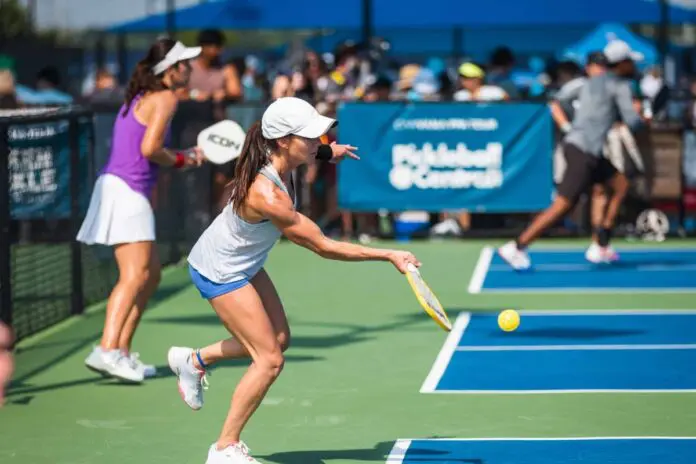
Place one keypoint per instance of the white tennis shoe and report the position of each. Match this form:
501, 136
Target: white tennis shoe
114, 364
601, 255
234, 454
518, 259
191, 381
148, 370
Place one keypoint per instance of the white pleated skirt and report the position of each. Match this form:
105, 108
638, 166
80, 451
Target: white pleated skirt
117, 214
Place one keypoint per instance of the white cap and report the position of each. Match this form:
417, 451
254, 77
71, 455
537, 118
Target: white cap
618, 50
291, 115
179, 52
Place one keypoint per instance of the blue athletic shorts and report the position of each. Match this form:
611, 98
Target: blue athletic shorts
209, 289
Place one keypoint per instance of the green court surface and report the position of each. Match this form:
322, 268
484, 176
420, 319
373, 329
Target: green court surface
361, 349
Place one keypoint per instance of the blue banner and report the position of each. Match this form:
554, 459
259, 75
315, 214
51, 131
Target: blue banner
446, 156
39, 165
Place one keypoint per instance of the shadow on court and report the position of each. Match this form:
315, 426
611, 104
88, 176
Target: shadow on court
348, 334
380, 453
86, 331
647, 262
561, 333
21, 387
28, 389
567, 333
289, 358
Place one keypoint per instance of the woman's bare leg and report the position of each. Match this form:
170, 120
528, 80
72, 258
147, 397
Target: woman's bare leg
243, 314
133, 260
231, 348
154, 278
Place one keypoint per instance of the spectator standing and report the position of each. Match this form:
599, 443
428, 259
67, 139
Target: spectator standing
209, 78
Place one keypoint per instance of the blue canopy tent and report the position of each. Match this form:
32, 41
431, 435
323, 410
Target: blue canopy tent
599, 38
394, 14
449, 13
252, 14
424, 27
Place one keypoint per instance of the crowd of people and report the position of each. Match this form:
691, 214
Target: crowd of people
355, 72
358, 72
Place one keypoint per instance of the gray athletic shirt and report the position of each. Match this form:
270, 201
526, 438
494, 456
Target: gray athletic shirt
604, 100
568, 95
232, 249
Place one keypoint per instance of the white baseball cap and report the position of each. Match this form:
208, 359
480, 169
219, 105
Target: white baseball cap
618, 50
179, 52
291, 115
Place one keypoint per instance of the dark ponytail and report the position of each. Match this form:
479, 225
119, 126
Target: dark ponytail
254, 156
143, 78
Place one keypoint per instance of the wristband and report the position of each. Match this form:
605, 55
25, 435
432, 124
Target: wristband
180, 160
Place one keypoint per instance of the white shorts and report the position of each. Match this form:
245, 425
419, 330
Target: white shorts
117, 214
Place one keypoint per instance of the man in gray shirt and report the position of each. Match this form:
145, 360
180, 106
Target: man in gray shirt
565, 102
563, 108
604, 99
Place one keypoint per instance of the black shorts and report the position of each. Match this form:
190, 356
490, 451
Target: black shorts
582, 171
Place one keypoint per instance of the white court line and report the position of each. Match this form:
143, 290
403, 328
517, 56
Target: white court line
558, 392
566, 290
576, 347
568, 267
610, 312
410, 440
566, 249
481, 269
398, 451
446, 353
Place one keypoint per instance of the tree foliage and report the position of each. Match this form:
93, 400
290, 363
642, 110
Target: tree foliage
15, 20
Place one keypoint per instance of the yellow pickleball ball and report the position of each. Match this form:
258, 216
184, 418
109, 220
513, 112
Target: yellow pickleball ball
509, 320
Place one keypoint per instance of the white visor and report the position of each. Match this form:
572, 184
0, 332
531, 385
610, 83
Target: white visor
291, 115
179, 52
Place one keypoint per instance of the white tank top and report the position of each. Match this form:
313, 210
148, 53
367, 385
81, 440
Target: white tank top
232, 249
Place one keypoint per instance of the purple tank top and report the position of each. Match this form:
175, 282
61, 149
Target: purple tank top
126, 160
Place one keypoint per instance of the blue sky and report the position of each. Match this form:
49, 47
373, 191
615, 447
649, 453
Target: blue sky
80, 14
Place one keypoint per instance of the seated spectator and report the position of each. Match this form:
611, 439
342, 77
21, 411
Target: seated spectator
283, 85
106, 87
316, 72
471, 79
426, 86
253, 80
342, 84
407, 75
500, 71
47, 91
379, 90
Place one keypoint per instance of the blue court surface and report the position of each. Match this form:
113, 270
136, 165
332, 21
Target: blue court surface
566, 270
633, 450
568, 352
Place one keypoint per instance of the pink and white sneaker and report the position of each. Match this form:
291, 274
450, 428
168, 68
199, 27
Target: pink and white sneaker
601, 255
234, 454
610, 254
191, 381
518, 259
